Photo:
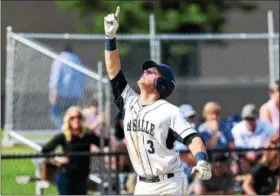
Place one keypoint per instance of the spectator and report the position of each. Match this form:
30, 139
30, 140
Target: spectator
215, 132
124, 161
94, 118
270, 110
222, 180
66, 85
251, 132
233, 120
73, 171
189, 113
125, 164
264, 178
187, 159
119, 132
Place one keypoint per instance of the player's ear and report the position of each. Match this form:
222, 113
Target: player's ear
160, 85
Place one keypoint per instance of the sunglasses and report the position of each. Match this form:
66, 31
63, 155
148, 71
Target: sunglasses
151, 72
250, 119
77, 117
191, 117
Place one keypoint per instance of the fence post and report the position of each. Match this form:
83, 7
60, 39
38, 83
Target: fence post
155, 46
108, 128
152, 37
158, 50
100, 101
10, 49
117, 173
270, 27
101, 108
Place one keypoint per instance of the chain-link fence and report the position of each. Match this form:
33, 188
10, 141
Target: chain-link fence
42, 84
239, 61
29, 174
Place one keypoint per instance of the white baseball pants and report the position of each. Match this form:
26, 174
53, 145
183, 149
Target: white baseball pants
176, 185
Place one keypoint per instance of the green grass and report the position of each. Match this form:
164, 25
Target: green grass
39, 137
17, 149
11, 168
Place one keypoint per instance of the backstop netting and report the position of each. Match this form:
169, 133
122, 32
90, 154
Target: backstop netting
29, 70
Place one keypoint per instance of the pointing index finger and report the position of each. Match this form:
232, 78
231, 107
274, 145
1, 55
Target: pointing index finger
117, 14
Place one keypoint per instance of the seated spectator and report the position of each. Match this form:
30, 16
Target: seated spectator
251, 132
73, 171
264, 178
233, 120
222, 179
119, 132
124, 161
94, 118
270, 110
189, 113
215, 132
186, 158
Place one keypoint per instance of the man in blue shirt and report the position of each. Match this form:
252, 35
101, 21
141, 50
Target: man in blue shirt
66, 85
187, 159
215, 132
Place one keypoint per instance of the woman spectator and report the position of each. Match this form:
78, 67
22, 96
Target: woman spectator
264, 177
72, 174
270, 110
216, 133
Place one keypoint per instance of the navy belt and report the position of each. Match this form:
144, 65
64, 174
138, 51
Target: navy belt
155, 178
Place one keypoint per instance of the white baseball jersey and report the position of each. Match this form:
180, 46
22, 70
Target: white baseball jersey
150, 132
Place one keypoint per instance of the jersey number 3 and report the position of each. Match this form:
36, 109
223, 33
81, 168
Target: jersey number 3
151, 150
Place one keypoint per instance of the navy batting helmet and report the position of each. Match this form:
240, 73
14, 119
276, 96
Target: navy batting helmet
165, 84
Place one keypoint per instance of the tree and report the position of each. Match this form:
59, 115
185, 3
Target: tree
172, 16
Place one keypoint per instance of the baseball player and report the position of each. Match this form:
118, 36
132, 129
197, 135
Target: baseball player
151, 124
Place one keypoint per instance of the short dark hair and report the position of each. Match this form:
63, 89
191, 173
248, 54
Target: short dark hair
274, 86
219, 157
93, 102
68, 47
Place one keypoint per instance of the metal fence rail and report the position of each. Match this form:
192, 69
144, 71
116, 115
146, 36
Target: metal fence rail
155, 40
21, 161
116, 153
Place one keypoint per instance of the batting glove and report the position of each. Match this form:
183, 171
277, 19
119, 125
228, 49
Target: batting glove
111, 24
203, 170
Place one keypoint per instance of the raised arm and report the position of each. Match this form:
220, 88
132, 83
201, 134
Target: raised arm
112, 58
